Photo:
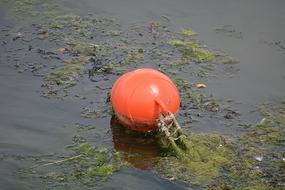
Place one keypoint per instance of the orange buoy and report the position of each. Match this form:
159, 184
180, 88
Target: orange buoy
138, 98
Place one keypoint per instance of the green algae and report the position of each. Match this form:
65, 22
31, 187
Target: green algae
65, 75
266, 132
92, 166
29, 2
78, 46
33, 10
56, 25
102, 171
86, 36
193, 50
67, 72
135, 56
197, 158
187, 32
85, 49
202, 160
263, 139
256, 159
247, 162
85, 166
270, 129
79, 27
77, 23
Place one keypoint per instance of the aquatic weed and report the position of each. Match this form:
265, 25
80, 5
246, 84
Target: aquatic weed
217, 162
193, 50
91, 166
188, 92
136, 55
187, 32
204, 157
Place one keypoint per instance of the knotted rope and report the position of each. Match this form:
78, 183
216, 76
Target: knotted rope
172, 134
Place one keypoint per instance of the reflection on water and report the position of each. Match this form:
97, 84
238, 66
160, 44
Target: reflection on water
141, 150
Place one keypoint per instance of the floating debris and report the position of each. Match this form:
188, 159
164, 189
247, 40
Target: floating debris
61, 50
200, 85
258, 158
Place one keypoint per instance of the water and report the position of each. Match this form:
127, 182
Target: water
257, 26
138, 179
252, 31
260, 23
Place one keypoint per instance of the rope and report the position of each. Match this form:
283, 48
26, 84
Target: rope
165, 122
173, 135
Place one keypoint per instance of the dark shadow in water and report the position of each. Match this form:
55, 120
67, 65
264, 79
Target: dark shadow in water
140, 149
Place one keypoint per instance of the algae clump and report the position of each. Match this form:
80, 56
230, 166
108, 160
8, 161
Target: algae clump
193, 50
33, 10
91, 166
259, 159
135, 56
216, 162
67, 72
269, 130
187, 32
204, 157
56, 25
65, 75
83, 49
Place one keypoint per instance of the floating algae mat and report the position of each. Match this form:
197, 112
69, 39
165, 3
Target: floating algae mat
89, 167
253, 161
212, 161
197, 158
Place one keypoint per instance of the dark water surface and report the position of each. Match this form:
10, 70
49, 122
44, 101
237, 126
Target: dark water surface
251, 31
257, 25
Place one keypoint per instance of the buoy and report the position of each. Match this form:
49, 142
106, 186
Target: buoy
139, 97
